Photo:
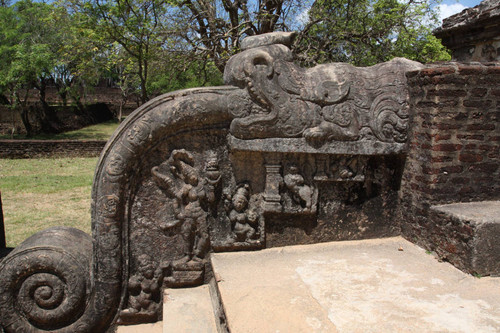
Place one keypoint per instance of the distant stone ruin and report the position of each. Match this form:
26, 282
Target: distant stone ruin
473, 35
281, 155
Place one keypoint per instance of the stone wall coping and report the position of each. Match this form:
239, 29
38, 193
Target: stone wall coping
451, 67
299, 145
48, 148
480, 212
48, 141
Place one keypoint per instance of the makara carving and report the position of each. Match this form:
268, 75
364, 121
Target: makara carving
238, 167
335, 102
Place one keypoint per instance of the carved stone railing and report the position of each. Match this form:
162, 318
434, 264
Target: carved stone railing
216, 169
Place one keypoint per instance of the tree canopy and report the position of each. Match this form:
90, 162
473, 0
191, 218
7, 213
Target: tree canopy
366, 32
148, 47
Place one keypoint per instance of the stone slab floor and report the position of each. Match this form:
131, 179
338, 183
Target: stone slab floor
383, 285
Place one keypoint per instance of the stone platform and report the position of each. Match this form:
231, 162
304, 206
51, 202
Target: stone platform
382, 285
471, 235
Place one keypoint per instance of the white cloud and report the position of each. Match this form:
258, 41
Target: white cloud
448, 10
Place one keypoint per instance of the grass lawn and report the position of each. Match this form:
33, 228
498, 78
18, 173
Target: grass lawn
100, 131
40, 193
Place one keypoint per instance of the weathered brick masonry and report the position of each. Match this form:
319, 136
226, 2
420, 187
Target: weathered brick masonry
45, 148
453, 153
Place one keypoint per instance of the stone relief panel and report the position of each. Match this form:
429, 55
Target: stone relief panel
192, 195
345, 168
356, 199
144, 288
172, 211
292, 156
298, 196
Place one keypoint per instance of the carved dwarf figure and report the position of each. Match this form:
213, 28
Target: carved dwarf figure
301, 193
193, 194
144, 287
244, 220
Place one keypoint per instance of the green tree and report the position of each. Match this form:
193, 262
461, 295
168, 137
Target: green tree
27, 60
366, 32
180, 72
136, 25
82, 55
45, 44
123, 70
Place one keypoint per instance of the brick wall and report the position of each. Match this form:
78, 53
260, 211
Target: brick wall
47, 148
455, 133
453, 152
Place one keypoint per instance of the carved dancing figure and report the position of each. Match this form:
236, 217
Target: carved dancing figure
192, 196
301, 193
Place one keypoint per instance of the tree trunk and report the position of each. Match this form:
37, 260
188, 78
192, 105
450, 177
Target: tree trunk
144, 94
120, 111
48, 119
3, 244
47, 116
26, 122
62, 92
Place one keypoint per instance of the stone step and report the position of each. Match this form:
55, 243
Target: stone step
143, 328
383, 285
185, 310
189, 310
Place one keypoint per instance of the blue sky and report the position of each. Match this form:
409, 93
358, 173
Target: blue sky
450, 7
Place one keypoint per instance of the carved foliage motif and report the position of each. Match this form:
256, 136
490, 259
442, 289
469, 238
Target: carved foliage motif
140, 131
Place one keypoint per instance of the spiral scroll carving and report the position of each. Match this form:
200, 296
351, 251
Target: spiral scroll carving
45, 287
